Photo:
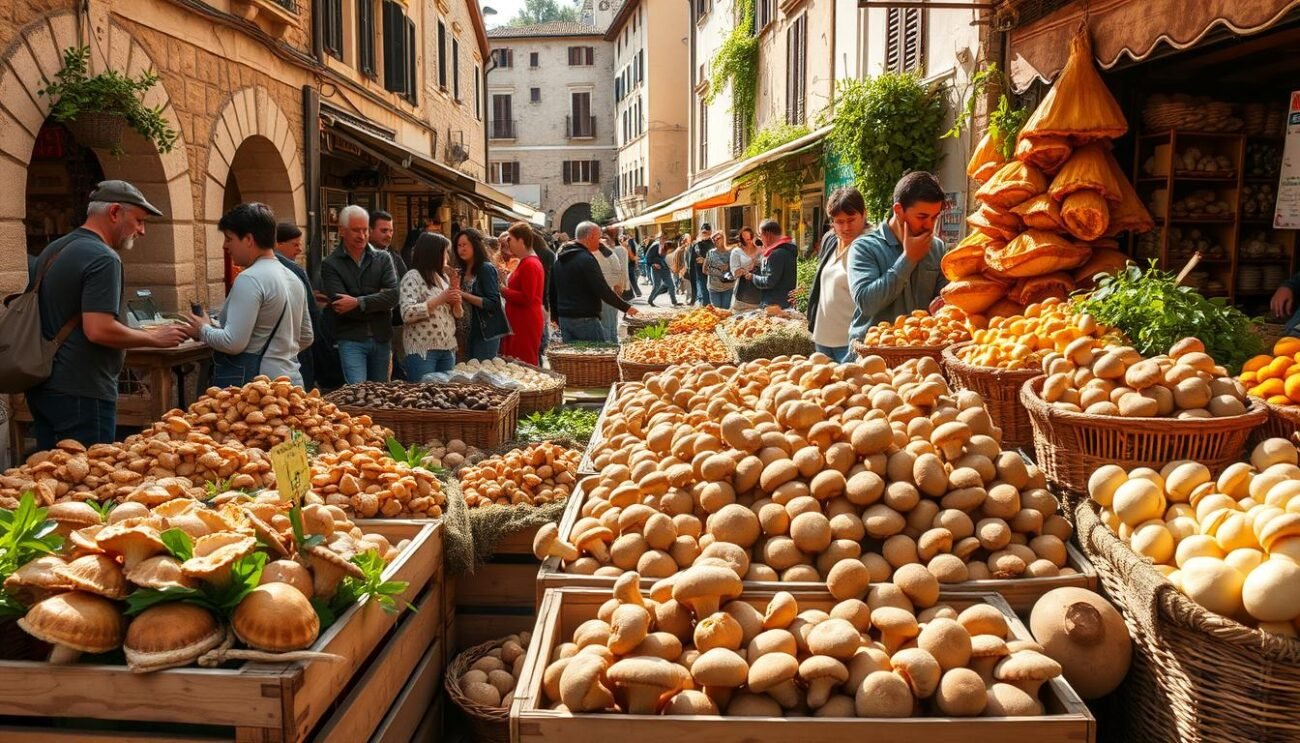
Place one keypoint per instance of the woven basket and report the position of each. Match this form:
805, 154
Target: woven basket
1000, 389
899, 355
533, 401
1196, 676
1283, 423
486, 429
630, 371
1069, 446
98, 130
584, 369
486, 724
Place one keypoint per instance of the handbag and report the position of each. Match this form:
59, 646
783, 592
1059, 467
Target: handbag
26, 358
238, 369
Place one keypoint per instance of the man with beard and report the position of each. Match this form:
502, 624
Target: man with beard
79, 280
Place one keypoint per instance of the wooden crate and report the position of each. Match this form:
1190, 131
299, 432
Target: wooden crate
586, 465
498, 599
1021, 593
392, 671
562, 610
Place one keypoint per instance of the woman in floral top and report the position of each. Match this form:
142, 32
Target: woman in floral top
430, 305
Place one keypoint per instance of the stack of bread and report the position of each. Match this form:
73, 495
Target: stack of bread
1048, 220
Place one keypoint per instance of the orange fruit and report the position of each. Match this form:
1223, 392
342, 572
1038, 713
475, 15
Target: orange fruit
1286, 346
1256, 363
1268, 388
1276, 368
1291, 387
1248, 378
1280, 400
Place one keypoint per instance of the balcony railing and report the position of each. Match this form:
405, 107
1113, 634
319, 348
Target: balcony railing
580, 127
502, 129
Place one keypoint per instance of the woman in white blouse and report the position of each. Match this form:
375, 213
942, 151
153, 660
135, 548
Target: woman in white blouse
430, 303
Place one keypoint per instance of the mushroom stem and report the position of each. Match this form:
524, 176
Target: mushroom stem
642, 699
786, 694
63, 655
819, 690
721, 695
984, 667
1083, 624
705, 606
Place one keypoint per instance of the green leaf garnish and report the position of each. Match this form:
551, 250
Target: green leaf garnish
178, 543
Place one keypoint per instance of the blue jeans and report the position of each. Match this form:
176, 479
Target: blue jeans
838, 354
609, 319
432, 361
721, 300
583, 329
483, 350
56, 416
364, 361
663, 281
702, 290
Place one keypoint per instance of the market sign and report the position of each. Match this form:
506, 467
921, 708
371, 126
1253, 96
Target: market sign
1287, 214
952, 220
839, 173
292, 470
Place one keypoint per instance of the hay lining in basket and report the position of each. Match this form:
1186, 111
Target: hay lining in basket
792, 340
457, 533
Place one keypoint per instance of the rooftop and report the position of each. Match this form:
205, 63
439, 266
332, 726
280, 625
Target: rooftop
538, 30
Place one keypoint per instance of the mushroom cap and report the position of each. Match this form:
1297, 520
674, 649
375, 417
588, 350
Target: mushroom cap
83, 539
701, 581
73, 514
267, 533
126, 538
747, 704
76, 619
275, 617
690, 702
983, 619
895, 621
1027, 665
781, 611
95, 574
947, 641
29, 583
128, 510
835, 637
169, 636
1007, 700
770, 670
884, 694
988, 646
629, 625
581, 689
919, 669
855, 611
719, 629
720, 667
823, 666
290, 573
159, 571
961, 693
215, 553
641, 670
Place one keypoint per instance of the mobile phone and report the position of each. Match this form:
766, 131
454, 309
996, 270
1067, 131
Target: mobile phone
196, 308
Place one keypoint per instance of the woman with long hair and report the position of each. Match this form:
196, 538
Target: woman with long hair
717, 268
480, 286
830, 300
523, 295
744, 261
429, 306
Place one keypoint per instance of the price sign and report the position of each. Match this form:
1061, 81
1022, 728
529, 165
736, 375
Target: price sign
292, 471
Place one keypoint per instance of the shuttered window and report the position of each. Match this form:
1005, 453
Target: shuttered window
762, 13
582, 56
332, 24
905, 40
366, 37
412, 80
581, 171
796, 65
504, 172
455, 69
399, 51
534, 60
442, 55
535, 95
478, 93
504, 57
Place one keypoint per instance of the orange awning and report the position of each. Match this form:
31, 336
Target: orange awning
725, 199
1132, 30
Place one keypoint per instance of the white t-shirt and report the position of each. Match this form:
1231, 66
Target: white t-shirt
834, 304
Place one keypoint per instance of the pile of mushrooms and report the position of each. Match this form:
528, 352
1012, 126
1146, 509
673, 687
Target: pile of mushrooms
1231, 544
697, 647
74, 598
801, 470
531, 475
368, 483
490, 681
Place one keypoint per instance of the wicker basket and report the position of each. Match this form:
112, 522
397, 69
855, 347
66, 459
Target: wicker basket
1196, 676
533, 401
899, 355
1000, 389
630, 371
486, 429
486, 724
1069, 446
98, 130
1283, 423
582, 370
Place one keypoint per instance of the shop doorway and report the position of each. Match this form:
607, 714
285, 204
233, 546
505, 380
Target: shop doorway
573, 216
257, 173
60, 178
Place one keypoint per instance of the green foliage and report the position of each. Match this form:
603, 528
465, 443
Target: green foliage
412, 455
352, 590
1155, 313
652, 332
885, 127
774, 178
737, 63
1004, 122
25, 534
178, 543
544, 11
108, 92
300, 537
245, 575
558, 423
602, 212
103, 508
805, 273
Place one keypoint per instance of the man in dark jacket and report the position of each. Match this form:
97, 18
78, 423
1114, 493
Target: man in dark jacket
578, 289
361, 284
288, 246
695, 266
780, 265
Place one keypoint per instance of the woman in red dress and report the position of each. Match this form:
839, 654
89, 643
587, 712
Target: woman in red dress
523, 296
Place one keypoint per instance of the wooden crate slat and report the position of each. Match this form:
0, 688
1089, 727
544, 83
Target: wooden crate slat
416, 702
19, 734
517, 543
499, 584
365, 706
474, 628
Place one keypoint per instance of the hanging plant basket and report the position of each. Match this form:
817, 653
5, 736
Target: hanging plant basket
98, 130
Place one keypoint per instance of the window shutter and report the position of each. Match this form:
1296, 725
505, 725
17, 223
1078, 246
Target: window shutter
333, 15
455, 69
595, 171
412, 91
514, 172
442, 55
913, 40
893, 39
568, 172
366, 37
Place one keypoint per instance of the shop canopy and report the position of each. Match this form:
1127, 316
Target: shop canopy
430, 172
1130, 30
720, 188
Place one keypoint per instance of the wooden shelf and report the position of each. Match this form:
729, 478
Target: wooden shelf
1193, 220
1268, 179
1257, 222
1192, 133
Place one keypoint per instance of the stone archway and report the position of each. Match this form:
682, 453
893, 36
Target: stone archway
255, 148
576, 213
163, 259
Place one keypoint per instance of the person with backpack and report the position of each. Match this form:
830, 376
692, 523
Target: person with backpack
78, 289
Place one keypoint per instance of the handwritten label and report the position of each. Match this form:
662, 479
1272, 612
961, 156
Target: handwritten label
292, 471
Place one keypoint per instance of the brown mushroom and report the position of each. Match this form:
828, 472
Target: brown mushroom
547, 543
835, 637
896, 626
690, 702
748, 704
629, 625
983, 619
1027, 669
718, 630
328, 569
159, 572
919, 669
704, 587
73, 515
95, 574
774, 675
986, 651
275, 617
595, 542
781, 611
38, 579
883, 694
170, 636
642, 683
290, 573
719, 671
215, 555
821, 674
272, 538
947, 641
581, 686
75, 622
1006, 700
961, 693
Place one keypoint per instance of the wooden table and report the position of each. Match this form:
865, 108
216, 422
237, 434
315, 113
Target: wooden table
152, 382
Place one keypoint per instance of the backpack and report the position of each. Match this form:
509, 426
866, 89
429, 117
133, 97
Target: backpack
26, 357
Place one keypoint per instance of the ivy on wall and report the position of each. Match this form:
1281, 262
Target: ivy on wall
777, 178
736, 63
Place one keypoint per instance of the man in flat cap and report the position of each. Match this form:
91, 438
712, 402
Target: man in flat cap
80, 296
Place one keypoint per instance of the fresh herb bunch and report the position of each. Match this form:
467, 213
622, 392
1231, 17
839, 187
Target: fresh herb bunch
110, 92
414, 455
352, 590
558, 423
25, 534
1154, 312
245, 575
652, 332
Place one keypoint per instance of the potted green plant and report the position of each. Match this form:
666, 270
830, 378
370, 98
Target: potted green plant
98, 108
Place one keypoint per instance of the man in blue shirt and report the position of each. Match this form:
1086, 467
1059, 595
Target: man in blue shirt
894, 269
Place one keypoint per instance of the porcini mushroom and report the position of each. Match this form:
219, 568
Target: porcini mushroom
96, 574
547, 543
781, 611
896, 626
290, 573
328, 569
1006, 700
986, 651
835, 637
158, 572
641, 683
1027, 669
883, 694
947, 641
629, 625
690, 702
72, 515
75, 622
821, 674
704, 587
719, 671
718, 630
170, 636
919, 669
961, 693
581, 688
275, 617
774, 674
38, 579
215, 555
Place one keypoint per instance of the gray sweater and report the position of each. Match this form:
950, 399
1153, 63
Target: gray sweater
260, 294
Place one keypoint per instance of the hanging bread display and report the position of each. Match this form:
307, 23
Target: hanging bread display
1045, 221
